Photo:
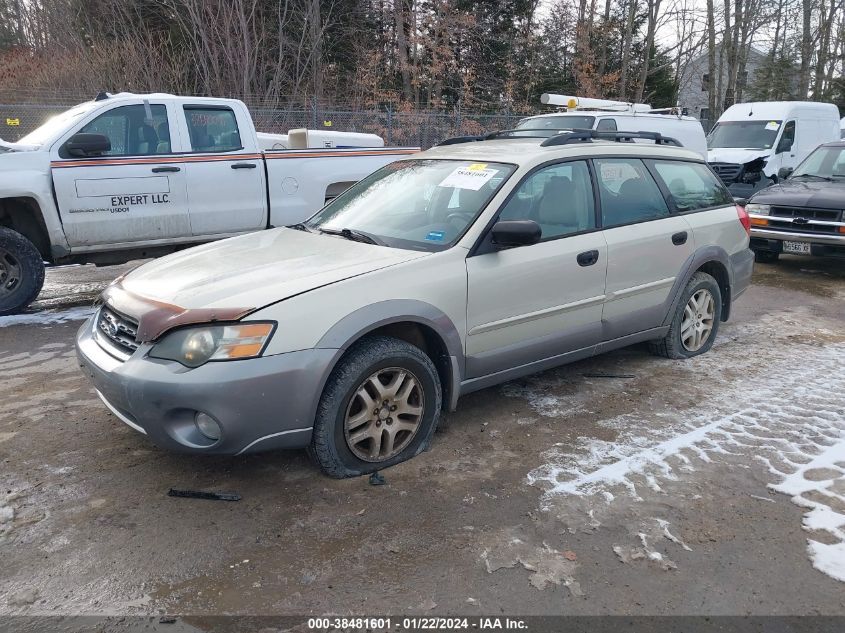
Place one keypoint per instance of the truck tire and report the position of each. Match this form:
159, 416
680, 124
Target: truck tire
695, 322
379, 407
21, 272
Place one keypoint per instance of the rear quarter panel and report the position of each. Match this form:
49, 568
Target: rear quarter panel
718, 227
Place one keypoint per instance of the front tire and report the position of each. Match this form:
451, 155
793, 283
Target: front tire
380, 407
696, 321
21, 272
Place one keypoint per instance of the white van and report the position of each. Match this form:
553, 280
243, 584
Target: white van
752, 142
613, 116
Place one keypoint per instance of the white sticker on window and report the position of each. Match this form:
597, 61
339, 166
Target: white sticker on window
611, 171
472, 177
773, 126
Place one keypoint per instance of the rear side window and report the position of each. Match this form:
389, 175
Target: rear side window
628, 192
212, 129
692, 185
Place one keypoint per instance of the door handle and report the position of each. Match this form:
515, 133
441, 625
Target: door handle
679, 238
587, 258
160, 170
244, 166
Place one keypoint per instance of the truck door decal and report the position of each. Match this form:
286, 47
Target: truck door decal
104, 187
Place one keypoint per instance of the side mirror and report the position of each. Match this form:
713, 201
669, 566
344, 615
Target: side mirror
516, 233
86, 144
784, 173
740, 201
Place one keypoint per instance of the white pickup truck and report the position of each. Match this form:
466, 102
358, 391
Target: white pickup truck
130, 176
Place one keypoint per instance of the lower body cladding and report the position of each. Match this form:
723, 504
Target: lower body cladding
794, 243
228, 408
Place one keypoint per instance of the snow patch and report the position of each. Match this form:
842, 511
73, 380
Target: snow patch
795, 427
48, 317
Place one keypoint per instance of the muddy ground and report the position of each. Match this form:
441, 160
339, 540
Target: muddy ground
712, 486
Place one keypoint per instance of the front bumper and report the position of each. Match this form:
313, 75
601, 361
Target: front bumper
821, 245
260, 403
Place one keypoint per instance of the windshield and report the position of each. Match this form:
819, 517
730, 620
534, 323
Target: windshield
557, 122
744, 134
825, 162
415, 204
55, 125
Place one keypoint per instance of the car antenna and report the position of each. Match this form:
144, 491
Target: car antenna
101, 96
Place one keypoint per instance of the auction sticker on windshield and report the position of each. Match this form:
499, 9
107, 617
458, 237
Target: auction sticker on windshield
472, 176
772, 126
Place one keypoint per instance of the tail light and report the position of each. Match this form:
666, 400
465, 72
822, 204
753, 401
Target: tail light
744, 220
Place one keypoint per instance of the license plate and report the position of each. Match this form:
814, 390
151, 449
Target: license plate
799, 248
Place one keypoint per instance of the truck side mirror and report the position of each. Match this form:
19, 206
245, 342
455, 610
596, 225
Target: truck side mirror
784, 173
86, 144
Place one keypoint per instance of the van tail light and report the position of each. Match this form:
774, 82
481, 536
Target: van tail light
744, 220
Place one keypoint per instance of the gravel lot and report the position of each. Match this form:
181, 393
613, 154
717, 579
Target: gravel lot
713, 486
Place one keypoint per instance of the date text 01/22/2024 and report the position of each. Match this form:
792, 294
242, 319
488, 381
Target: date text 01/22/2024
418, 624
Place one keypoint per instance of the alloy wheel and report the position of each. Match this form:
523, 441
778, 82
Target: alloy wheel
384, 414
697, 323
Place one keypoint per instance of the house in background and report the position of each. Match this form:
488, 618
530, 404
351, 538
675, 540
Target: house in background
763, 80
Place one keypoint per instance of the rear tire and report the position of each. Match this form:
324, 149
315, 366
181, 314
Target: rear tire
766, 257
21, 272
380, 407
695, 322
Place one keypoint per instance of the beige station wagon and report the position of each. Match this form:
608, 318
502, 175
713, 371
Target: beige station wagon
458, 268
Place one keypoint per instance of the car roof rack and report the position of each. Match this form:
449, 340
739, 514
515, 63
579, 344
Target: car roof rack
455, 140
552, 138
584, 136
514, 133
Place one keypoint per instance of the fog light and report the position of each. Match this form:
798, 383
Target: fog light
207, 425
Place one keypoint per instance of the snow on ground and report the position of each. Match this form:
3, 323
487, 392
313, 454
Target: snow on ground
48, 317
793, 423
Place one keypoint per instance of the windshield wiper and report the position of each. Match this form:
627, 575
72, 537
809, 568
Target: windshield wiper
826, 178
300, 226
352, 234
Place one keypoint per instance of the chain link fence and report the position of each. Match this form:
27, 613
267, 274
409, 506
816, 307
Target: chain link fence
420, 128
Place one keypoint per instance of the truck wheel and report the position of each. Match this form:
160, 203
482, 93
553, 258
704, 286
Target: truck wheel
766, 257
379, 407
21, 272
696, 320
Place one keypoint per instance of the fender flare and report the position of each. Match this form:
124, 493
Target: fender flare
369, 318
701, 256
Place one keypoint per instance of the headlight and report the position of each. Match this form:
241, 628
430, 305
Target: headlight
196, 346
758, 209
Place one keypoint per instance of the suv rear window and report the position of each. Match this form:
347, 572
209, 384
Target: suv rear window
692, 185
